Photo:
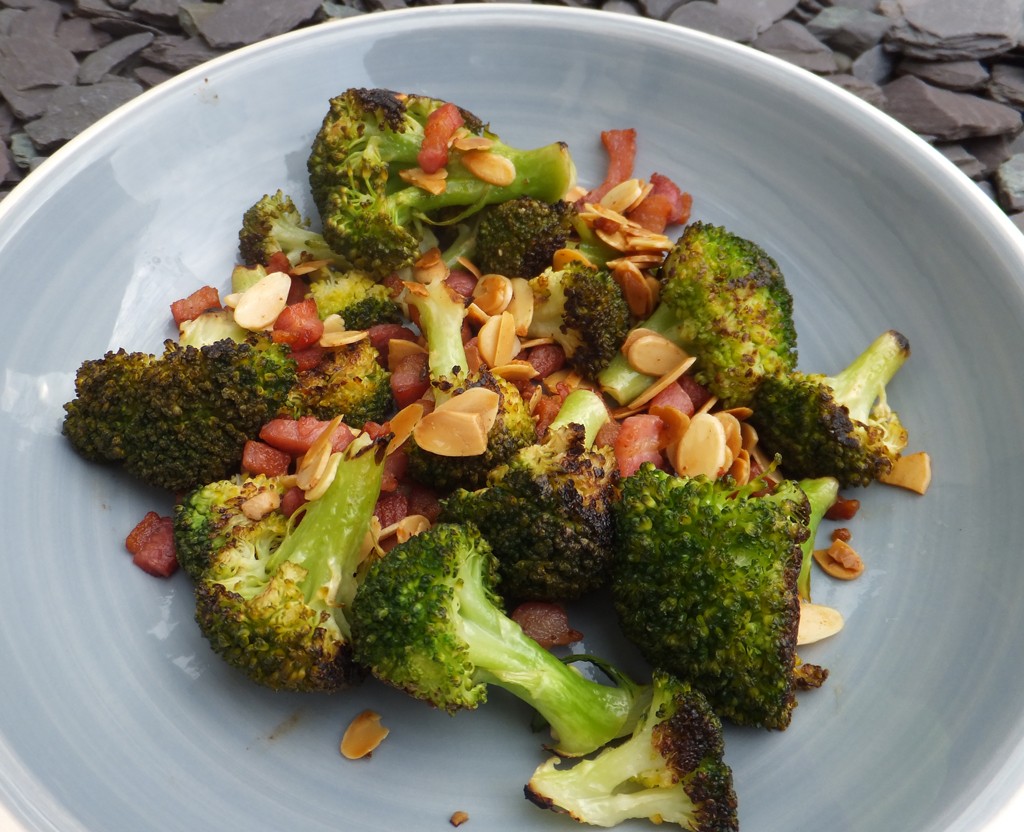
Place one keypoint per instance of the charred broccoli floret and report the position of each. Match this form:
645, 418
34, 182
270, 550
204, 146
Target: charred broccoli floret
182, 418
440, 313
518, 238
583, 309
276, 606
821, 493
839, 426
274, 225
427, 620
671, 770
705, 585
547, 513
364, 166
210, 327
724, 301
349, 381
361, 301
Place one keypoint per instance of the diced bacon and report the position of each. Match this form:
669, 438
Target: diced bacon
440, 126
390, 508
292, 500
607, 434
299, 325
637, 442
461, 282
278, 262
308, 358
298, 291
423, 500
546, 623
201, 300
151, 544
546, 359
620, 145
674, 396
698, 393
546, 410
261, 458
665, 205
381, 335
410, 379
295, 436
395, 467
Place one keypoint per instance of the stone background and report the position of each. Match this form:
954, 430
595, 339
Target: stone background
950, 70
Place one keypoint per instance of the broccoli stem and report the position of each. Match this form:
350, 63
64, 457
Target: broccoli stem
863, 382
822, 493
328, 541
583, 715
441, 314
585, 408
619, 380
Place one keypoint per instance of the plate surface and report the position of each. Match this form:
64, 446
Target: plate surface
115, 715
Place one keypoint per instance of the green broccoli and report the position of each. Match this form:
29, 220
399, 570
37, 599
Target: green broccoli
274, 226
671, 770
822, 493
518, 238
180, 419
276, 606
440, 313
583, 309
371, 216
724, 301
349, 381
360, 301
210, 327
547, 512
839, 426
705, 585
427, 620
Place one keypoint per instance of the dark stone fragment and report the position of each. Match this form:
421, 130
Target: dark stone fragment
965, 162
1007, 84
111, 57
791, 41
619, 7
729, 23
150, 76
72, 109
35, 62
852, 31
875, 65
176, 54
660, 9
38, 22
163, 13
100, 8
191, 15
954, 29
871, 93
241, 22
1009, 183
961, 76
79, 36
947, 115
990, 151
26, 104
762, 13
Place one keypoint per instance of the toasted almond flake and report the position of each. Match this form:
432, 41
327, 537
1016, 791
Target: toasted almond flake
476, 316
912, 471
537, 342
324, 478
653, 354
623, 195
402, 425
635, 288
410, 526
658, 386
840, 560
516, 370
459, 426
575, 193
521, 305
258, 306
733, 438
314, 462
748, 436
493, 293
675, 421
429, 267
400, 348
469, 266
468, 141
343, 338
710, 403
702, 450
363, 735
570, 378
371, 540
308, 266
261, 504
497, 340
473, 357
433, 183
490, 167
414, 288
740, 468
564, 256
817, 622
458, 818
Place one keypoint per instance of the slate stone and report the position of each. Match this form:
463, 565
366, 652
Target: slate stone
731, 24
176, 54
72, 109
954, 29
875, 65
26, 104
150, 76
110, 57
241, 22
79, 36
620, 7
791, 41
190, 15
38, 22
762, 13
852, 31
659, 9
1007, 84
990, 151
163, 13
35, 62
871, 93
961, 76
100, 9
965, 162
1009, 184
947, 115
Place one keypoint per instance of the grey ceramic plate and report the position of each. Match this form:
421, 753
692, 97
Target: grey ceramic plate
114, 714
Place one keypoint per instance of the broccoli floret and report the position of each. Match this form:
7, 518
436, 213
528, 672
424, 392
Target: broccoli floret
836, 426
547, 513
705, 585
180, 419
518, 238
440, 313
583, 309
427, 620
349, 381
277, 607
274, 226
210, 327
372, 216
361, 301
671, 770
724, 301
821, 493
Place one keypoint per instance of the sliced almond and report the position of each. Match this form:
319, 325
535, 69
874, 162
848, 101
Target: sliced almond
476, 316
343, 338
710, 403
817, 622
621, 197
470, 142
521, 305
654, 355
324, 477
564, 256
261, 504
490, 167
840, 560
402, 425
400, 348
675, 423
635, 288
314, 462
497, 340
410, 526
459, 426
702, 450
433, 183
570, 378
429, 267
740, 468
258, 306
516, 370
733, 437
748, 436
493, 293
537, 342
912, 472
363, 735
669, 378
469, 266
308, 266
